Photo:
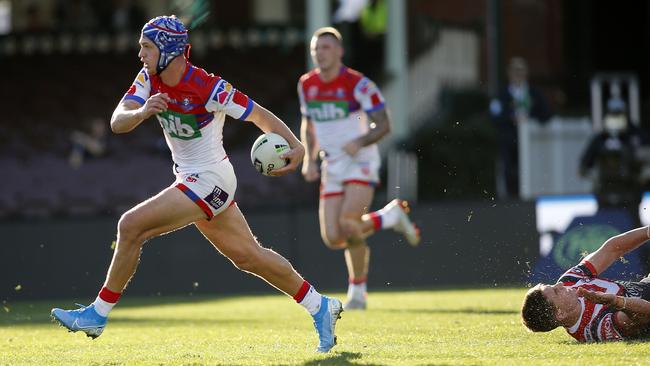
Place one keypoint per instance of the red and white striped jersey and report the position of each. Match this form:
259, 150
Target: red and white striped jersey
338, 108
193, 122
597, 322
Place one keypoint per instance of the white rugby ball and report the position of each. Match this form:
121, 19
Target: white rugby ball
266, 151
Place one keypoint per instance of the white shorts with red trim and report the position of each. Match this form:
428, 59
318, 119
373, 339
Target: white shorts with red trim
348, 170
212, 190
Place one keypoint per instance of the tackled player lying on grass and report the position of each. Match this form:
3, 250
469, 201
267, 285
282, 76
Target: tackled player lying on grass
590, 308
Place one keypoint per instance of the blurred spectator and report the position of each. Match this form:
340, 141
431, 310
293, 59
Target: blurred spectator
373, 19
349, 10
346, 18
127, 15
373, 29
363, 26
75, 15
613, 152
518, 102
91, 143
35, 21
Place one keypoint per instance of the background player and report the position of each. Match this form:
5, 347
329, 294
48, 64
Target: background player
191, 105
338, 104
592, 308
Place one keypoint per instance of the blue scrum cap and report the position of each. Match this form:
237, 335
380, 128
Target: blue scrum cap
169, 34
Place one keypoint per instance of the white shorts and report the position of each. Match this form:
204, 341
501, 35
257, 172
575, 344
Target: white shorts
348, 170
212, 190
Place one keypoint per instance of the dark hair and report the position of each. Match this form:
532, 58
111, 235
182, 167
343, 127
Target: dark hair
537, 313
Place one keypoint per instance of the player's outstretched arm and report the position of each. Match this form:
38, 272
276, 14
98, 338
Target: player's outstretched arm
129, 113
617, 246
381, 128
268, 122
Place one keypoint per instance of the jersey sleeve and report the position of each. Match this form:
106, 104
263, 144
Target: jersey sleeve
140, 90
607, 328
583, 271
225, 98
368, 95
301, 97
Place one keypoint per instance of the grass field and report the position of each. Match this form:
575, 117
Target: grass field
444, 327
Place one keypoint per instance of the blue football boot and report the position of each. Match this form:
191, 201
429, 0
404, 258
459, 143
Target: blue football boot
84, 319
325, 322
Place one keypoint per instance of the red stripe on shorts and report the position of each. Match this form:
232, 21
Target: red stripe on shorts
330, 194
360, 182
199, 202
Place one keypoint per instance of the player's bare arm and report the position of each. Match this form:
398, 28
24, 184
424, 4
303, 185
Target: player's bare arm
129, 113
308, 138
380, 129
616, 247
633, 314
268, 122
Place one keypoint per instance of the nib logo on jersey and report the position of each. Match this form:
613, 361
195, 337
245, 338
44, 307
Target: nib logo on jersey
328, 111
178, 125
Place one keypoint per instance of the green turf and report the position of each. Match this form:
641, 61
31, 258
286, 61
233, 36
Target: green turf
445, 327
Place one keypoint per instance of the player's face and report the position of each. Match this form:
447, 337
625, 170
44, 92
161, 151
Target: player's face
326, 52
563, 297
148, 55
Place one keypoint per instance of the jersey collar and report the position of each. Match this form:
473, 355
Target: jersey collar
574, 327
341, 71
189, 68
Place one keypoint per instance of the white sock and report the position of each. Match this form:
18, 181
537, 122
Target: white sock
388, 215
357, 291
103, 307
311, 301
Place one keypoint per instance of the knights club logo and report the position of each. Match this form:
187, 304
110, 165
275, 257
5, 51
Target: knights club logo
312, 92
185, 104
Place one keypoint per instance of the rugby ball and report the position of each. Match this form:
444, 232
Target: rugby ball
266, 151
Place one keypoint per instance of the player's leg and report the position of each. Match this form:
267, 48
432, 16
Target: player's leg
392, 216
333, 226
356, 201
329, 212
330, 203
165, 212
230, 235
365, 171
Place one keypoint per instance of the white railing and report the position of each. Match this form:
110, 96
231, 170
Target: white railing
452, 60
549, 157
402, 176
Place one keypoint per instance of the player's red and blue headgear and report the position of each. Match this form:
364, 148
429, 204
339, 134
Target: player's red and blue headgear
169, 34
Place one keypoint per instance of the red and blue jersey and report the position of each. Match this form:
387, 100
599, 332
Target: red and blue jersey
339, 108
193, 122
597, 322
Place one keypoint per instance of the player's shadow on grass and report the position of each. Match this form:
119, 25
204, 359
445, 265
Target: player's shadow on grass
342, 359
452, 311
